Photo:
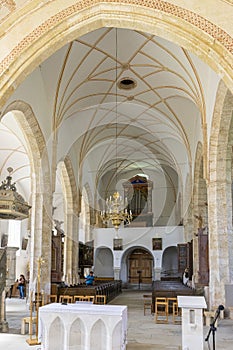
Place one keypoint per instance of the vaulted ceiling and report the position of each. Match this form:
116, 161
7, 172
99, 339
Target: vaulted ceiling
118, 93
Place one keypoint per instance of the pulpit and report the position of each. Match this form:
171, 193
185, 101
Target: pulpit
83, 326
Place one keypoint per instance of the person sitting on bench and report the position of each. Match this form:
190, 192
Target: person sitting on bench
90, 279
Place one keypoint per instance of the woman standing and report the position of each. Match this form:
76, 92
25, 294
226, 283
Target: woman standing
21, 286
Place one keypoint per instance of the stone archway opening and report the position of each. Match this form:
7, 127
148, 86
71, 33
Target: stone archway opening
170, 264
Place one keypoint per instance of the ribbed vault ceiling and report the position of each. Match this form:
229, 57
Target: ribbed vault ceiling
156, 123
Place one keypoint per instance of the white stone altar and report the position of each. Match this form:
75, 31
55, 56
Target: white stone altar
192, 321
82, 326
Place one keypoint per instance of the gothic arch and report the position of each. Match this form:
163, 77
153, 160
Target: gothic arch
41, 187
124, 263
170, 261
161, 18
219, 196
98, 330
33, 135
104, 262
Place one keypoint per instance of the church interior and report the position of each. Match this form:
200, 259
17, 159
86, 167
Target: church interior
116, 138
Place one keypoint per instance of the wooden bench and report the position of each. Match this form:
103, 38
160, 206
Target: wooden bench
110, 289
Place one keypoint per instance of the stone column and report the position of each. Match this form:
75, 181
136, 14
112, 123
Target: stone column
75, 254
157, 273
68, 247
40, 242
4, 323
117, 271
10, 266
220, 240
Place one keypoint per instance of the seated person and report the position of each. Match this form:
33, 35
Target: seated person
90, 279
186, 276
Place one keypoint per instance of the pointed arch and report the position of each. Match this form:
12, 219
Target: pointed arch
162, 18
99, 331
40, 214
57, 333
220, 197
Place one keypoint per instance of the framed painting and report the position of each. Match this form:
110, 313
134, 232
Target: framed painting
157, 243
117, 244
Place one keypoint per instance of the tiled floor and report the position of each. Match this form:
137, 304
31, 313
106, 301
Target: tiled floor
143, 332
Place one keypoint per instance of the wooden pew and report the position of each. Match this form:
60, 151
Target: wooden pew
110, 289
169, 289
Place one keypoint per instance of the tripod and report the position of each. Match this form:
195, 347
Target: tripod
212, 325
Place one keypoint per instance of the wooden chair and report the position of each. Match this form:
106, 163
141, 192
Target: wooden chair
147, 303
52, 298
209, 317
170, 302
27, 320
89, 298
100, 299
65, 299
161, 310
176, 313
78, 298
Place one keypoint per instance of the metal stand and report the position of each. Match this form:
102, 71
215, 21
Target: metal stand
35, 341
139, 278
212, 326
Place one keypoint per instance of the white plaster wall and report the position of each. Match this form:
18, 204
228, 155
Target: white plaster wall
138, 237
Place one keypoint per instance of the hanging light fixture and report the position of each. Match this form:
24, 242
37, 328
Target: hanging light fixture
116, 207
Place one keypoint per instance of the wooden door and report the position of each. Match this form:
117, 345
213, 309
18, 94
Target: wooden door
140, 267
185, 257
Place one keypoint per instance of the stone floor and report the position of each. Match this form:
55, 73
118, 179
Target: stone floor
143, 332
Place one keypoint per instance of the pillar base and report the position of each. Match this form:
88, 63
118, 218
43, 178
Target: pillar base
4, 327
33, 342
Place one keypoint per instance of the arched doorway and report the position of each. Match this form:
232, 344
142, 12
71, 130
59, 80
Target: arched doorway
140, 263
104, 262
170, 263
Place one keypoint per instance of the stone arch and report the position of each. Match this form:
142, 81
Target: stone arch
170, 262
32, 132
124, 264
57, 333
220, 197
40, 214
98, 331
159, 17
77, 335
104, 262
116, 339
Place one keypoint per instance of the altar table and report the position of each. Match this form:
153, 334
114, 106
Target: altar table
82, 326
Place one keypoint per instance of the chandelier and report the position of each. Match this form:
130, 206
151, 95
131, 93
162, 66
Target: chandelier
116, 211
116, 207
